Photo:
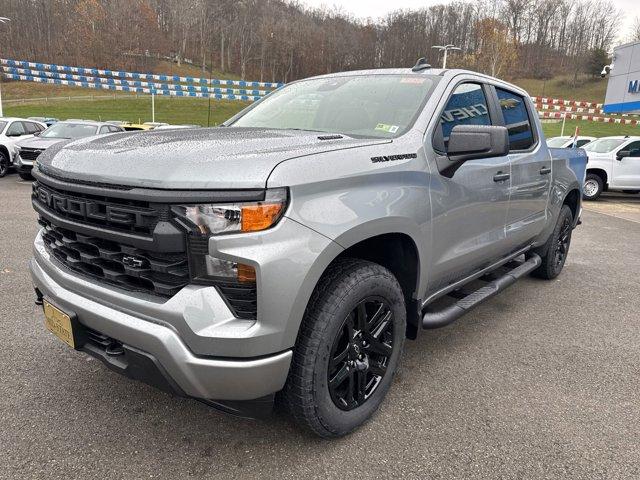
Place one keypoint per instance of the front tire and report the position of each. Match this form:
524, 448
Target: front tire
4, 164
593, 187
348, 348
554, 252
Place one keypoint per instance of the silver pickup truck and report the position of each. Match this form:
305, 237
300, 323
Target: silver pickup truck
288, 254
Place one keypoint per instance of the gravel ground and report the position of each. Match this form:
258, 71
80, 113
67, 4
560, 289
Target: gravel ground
540, 382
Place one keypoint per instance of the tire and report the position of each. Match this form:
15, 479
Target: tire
4, 164
593, 187
554, 252
326, 407
631, 192
25, 176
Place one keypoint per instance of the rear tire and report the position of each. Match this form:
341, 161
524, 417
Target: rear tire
593, 187
554, 252
4, 164
25, 176
347, 349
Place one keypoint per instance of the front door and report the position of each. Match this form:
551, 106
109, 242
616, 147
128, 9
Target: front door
470, 207
626, 171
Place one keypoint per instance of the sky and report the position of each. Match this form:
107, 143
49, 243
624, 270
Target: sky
378, 8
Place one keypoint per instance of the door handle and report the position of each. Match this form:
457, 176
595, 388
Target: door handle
501, 177
545, 170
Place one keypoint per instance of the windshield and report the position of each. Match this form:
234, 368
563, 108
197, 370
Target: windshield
557, 142
378, 106
69, 130
604, 145
2, 125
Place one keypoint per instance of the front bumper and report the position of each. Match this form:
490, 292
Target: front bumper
158, 345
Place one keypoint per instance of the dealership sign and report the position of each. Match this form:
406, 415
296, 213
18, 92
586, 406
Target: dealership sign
623, 88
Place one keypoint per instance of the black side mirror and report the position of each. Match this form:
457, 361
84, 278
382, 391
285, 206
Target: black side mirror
623, 154
471, 142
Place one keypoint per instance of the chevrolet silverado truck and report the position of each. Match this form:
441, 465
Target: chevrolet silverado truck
288, 254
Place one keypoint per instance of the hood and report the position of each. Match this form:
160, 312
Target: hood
39, 142
207, 158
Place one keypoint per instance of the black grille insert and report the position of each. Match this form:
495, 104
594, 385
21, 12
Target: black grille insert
241, 297
30, 154
120, 265
112, 213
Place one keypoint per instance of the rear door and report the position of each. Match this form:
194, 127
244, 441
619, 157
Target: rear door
470, 206
626, 171
530, 169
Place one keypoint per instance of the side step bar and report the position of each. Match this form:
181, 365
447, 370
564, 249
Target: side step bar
451, 313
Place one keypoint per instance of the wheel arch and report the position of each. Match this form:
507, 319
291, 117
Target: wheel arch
396, 250
572, 199
601, 172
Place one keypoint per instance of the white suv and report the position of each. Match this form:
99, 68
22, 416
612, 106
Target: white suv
614, 164
12, 130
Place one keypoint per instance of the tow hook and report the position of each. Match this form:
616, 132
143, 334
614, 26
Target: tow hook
38, 300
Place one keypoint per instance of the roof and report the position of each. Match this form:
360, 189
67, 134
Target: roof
85, 122
425, 71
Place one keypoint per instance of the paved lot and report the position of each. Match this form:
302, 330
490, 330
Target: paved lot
541, 382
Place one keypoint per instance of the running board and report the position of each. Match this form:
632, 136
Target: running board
451, 313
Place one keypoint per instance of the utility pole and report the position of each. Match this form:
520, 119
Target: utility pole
2, 20
445, 49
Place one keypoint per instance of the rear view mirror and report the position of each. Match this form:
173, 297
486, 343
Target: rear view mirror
471, 142
623, 154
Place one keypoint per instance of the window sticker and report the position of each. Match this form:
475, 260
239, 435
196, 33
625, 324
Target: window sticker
383, 127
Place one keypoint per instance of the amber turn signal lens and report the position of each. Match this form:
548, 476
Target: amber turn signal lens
246, 273
260, 217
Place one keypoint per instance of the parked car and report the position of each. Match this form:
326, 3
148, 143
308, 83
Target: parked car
614, 164
48, 121
295, 253
567, 142
30, 149
134, 127
12, 130
175, 127
156, 124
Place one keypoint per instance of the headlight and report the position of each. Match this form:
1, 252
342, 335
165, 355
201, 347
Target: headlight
205, 220
214, 219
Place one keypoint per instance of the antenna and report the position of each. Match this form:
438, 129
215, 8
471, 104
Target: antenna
420, 65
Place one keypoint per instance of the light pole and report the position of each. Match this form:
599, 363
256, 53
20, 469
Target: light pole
445, 49
2, 20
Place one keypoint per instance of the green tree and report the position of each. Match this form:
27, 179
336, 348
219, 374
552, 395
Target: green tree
596, 59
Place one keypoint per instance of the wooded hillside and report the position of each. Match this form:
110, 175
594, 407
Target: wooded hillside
274, 40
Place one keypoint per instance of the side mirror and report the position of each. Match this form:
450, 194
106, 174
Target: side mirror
472, 142
623, 154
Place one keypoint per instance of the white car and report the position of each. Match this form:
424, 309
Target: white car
614, 164
12, 130
567, 142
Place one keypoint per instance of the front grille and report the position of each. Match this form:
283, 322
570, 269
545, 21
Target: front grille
119, 265
29, 153
130, 216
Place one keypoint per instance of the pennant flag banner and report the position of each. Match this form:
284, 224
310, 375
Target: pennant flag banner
146, 83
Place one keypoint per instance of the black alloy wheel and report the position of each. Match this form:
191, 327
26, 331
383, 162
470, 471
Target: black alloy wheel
562, 244
360, 353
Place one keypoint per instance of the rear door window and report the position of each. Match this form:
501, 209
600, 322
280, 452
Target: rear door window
516, 119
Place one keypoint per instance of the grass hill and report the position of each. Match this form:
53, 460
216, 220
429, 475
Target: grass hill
588, 89
124, 106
